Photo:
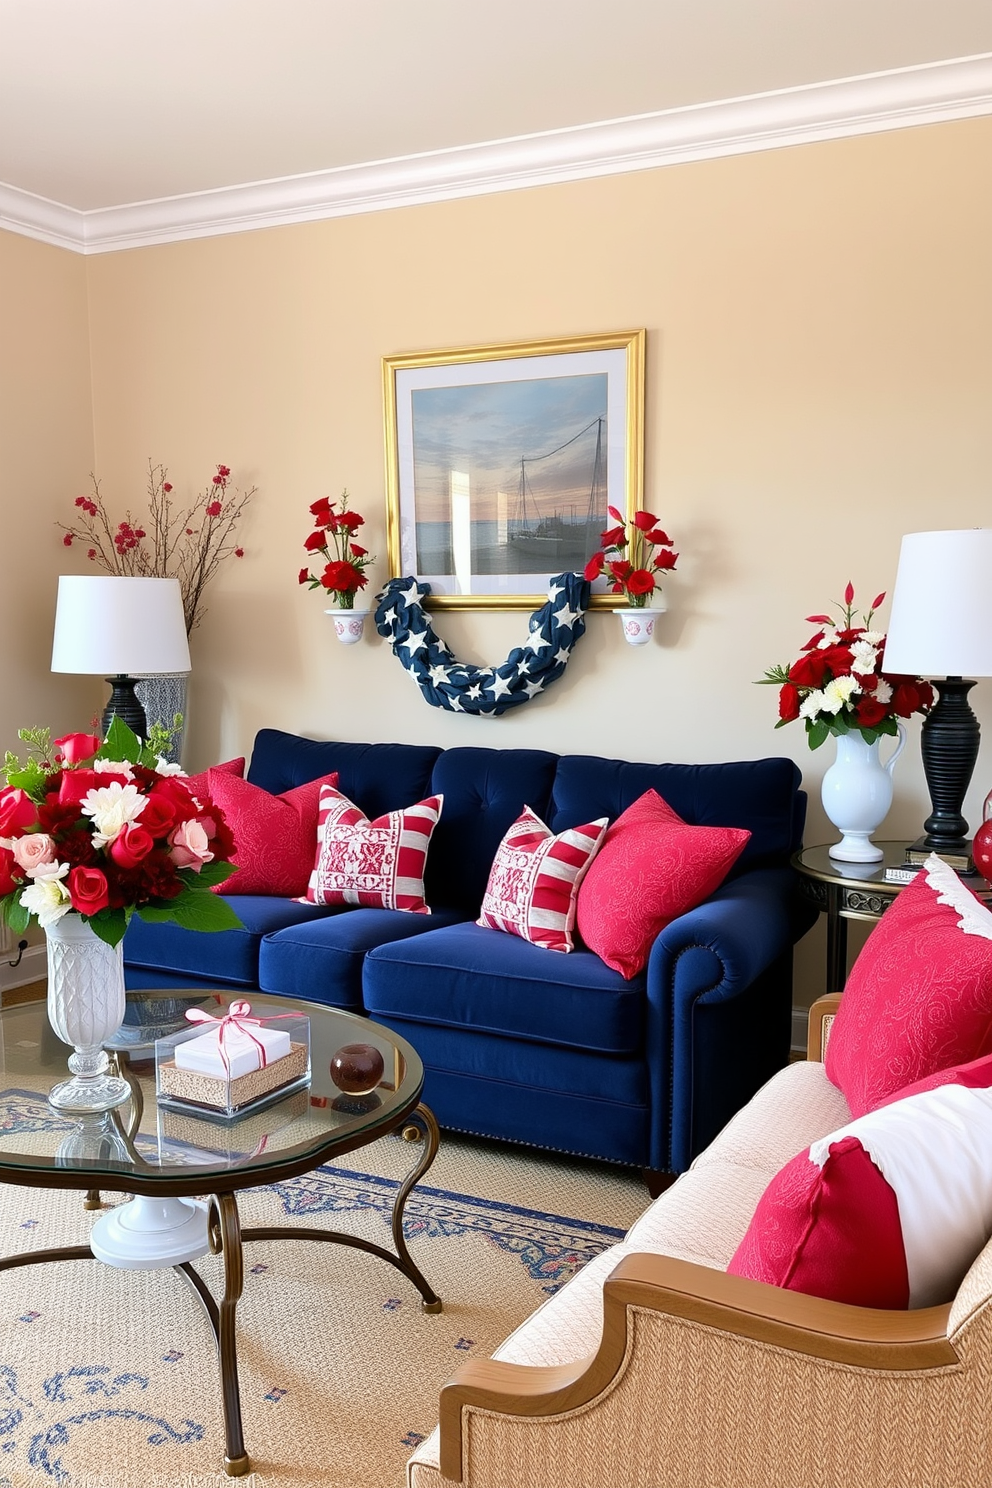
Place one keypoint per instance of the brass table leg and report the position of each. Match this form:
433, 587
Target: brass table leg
424, 1117
225, 1239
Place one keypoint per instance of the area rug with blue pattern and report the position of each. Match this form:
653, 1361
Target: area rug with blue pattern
109, 1379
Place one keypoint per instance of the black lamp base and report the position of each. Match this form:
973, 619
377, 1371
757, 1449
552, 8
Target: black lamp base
124, 705
949, 746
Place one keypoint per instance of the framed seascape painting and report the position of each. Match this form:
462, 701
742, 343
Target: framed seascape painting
501, 462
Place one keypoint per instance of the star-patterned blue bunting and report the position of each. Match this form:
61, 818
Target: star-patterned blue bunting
486, 691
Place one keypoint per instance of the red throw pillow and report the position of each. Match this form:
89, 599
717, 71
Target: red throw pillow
651, 868
919, 996
273, 835
198, 783
375, 864
534, 880
889, 1211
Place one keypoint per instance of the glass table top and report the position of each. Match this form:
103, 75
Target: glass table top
154, 1146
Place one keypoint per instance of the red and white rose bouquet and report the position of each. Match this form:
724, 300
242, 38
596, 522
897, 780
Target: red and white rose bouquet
839, 683
109, 830
345, 560
632, 563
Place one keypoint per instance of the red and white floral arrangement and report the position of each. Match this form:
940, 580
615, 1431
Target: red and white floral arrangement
333, 538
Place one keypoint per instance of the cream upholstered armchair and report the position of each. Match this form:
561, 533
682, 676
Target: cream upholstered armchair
653, 1369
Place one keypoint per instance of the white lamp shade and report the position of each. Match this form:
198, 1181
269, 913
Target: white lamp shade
119, 627
941, 617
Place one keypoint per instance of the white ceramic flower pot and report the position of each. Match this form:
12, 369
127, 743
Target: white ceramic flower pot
348, 625
85, 1006
857, 793
638, 625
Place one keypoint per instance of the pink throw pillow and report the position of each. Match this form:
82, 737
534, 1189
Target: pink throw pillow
374, 864
651, 868
919, 996
889, 1211
273, 835
535, 878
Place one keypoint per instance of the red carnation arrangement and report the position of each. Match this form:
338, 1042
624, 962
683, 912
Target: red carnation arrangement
109, 829
346, 561
630, 563
840, 684
187, 543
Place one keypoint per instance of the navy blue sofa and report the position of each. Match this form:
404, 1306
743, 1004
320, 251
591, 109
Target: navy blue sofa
521, 1043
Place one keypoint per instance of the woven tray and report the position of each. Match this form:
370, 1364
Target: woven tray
231, 1095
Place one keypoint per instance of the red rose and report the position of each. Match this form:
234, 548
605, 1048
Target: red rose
666, 559
356, 551
594, 567
171, 791
621, 570
644, 521
343, 577
814, 641
88, 890
321, 511
133, 843
614, 537
788, 703
158, 815
75, 784
349, 521
838, 659
7, 865
658, 538
74, 748
315, 542
906, 698
869, 712
17, 812
640, 582
304, 575
810, 670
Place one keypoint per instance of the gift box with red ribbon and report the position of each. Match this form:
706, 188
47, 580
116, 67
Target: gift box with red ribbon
232, 1060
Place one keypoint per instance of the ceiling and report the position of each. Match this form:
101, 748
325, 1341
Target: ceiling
108, 102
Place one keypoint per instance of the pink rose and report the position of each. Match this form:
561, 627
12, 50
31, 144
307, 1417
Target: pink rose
88, 890
189, 847
74, 748
33, 849
17, 811
132, 843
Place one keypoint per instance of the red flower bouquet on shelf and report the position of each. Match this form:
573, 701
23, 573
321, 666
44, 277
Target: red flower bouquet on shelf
631, 563
345, 560
839, 683
187, 543
107, 830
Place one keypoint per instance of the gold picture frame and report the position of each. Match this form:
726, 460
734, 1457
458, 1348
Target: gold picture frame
501, 461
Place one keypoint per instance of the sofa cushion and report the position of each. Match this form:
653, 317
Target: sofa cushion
377, 777
198, 783
919, 996
535, 877
484, 792
467, 977
761, 796
887, 1211
274, 836
651, 868
225, 955
372, 864
321, 959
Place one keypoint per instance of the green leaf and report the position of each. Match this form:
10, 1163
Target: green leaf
13, 911
121, 743
109, 925
817, 733
194, 911
209, 874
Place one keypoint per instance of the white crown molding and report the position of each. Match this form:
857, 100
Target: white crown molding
910, 96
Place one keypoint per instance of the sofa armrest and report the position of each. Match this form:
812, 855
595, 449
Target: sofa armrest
821, 1016
648, 1292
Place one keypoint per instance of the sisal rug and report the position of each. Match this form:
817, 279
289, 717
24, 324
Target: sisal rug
109, 1379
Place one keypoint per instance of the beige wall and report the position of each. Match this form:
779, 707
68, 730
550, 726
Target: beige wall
46, 451
819, 382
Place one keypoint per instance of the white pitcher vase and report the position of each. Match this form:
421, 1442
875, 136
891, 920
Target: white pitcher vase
85, 1006
857, 793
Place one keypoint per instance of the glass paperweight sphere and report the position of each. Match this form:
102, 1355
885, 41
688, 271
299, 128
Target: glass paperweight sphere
357, 1069
981, 847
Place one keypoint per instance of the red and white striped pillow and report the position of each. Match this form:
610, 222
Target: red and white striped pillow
535, 879
375, 864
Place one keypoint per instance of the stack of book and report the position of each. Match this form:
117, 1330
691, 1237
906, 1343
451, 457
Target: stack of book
916, 855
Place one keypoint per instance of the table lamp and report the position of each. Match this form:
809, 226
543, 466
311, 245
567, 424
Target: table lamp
941, 628
122, 628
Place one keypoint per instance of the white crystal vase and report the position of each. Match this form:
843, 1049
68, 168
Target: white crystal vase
85, 1006
857, 793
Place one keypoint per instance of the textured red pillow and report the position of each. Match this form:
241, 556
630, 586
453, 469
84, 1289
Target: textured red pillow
919, 996
273, 835
889, 1211
535, 879
198, 783
376, 864
651, 868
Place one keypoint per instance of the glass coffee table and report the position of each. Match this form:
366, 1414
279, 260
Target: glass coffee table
169, 1159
